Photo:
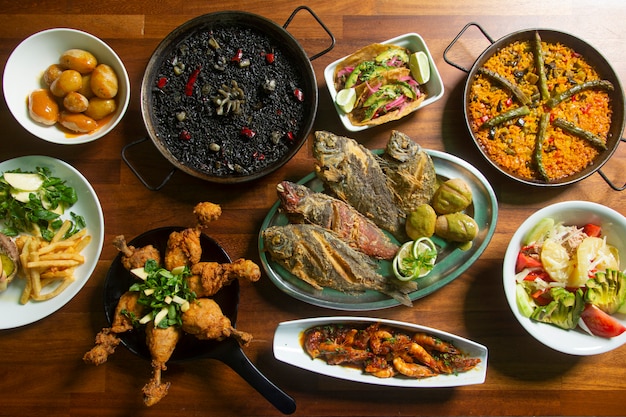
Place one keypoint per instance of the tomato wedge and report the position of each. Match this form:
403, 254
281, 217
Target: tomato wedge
600, 323
592, 230
526, 261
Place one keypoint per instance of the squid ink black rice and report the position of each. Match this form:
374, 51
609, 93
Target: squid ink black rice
245, 134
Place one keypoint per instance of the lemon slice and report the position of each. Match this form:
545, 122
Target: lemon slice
420, 67
346, 99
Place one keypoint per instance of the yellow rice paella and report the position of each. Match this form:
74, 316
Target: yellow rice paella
539, 114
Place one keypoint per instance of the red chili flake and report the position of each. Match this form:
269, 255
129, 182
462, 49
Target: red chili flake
192, 80
162, 81
247, 132
299, 94
184, 135
291, 136
270, 57
237, 57
279, 112
586, 109
259, 156
508, 102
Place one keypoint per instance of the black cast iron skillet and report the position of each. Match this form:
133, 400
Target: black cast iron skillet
235, 19
593, 57
117, 282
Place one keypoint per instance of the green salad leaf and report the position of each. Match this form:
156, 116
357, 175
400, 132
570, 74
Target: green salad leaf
41, 210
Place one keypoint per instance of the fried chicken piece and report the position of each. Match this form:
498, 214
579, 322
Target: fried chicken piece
135, 257
183, 248
106, 342
205, 320
126, 310
161, 343
206, 213
209, 277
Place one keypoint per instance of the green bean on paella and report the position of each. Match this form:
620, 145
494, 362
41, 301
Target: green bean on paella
576, 97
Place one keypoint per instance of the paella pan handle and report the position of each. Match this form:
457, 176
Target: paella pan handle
608, 181
136, 172
332, 37
454, 41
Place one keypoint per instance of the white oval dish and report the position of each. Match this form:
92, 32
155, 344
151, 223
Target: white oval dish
577, 341
414, 43
288, 348
12, 313
29, 60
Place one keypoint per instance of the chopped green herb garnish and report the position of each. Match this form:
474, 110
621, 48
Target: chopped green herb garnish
164, 290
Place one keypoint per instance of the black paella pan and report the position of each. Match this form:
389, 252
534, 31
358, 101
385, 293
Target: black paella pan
230, 96
592, 56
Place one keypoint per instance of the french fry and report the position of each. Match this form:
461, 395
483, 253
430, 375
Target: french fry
65, 227
49, 267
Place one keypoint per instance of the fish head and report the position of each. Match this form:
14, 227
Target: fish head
278, 242
328, 148
401, 147
291, 194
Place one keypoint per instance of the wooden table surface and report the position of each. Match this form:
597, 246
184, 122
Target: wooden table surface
41, 367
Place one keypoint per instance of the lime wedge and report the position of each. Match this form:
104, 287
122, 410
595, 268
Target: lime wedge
346, 99
420, 67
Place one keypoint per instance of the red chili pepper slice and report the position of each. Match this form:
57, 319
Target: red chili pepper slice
162, 82
258, 156
269, 57
237, 57
247, 132
299, 94
184, 135
291, 136
192, 80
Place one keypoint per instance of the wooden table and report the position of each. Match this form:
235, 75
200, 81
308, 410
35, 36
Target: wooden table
41, 370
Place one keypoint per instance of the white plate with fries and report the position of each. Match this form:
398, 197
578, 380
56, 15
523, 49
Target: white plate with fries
16, 307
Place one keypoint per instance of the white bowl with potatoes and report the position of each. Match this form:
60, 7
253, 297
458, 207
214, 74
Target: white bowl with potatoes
66, 86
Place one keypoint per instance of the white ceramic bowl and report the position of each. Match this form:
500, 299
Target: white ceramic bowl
27, 63
574, 342
414, 43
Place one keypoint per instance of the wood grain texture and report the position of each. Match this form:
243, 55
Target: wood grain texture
41, 370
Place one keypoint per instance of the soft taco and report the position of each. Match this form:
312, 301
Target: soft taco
383, 83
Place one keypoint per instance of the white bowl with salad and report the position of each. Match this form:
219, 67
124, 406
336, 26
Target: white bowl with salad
563, 278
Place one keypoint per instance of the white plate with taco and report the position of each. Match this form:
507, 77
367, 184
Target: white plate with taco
382, 82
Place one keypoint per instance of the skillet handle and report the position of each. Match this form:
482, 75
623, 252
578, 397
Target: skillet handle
608, 181
445, 52
233, 356
332, 37
136, 172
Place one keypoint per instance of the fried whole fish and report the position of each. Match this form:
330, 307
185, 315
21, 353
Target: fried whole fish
302, 204
354, 175
410, 172
319, 258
